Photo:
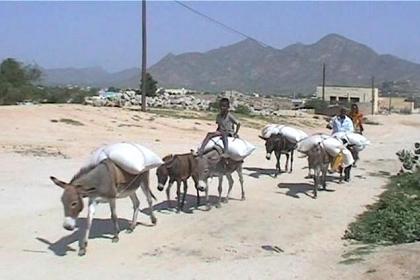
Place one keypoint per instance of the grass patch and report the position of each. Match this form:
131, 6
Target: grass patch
395, 218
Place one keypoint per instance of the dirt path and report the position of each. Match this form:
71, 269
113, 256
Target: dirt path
233, 242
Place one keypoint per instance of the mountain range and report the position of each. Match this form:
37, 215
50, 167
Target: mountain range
249, 66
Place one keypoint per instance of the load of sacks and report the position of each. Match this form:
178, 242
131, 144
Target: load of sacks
292, 134
238, 149
335, 146
131, 157
358, 141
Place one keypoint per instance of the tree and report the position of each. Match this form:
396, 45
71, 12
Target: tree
16, 81
151, 85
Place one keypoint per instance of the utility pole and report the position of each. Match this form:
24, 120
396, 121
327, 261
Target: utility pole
143, 60
373, 95
323, 82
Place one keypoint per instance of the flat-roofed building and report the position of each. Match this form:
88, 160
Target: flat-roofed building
346, 95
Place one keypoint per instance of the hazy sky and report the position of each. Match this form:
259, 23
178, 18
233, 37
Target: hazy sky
108, 34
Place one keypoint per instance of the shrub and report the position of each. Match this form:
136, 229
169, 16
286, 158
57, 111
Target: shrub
243, 109
395, 218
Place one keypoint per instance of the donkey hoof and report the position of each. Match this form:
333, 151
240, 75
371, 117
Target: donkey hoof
129, 230
115, 239
82, 252
225, 200
218, 205
154, 220
243, 198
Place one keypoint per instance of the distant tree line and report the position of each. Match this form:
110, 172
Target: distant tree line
19, 82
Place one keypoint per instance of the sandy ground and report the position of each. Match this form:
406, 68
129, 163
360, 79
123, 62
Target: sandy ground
232, 242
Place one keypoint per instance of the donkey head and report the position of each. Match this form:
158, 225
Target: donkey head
162, 175
270, 144
162, 172
72, 202
204, 166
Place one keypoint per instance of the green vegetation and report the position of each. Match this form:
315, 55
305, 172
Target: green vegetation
151, 85
18, 83
243, 109
395, 218
316, 104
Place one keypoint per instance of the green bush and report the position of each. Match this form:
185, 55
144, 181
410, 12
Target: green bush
395, 218
316, 104
243, 109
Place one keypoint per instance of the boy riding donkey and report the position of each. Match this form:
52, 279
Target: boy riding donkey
227, 126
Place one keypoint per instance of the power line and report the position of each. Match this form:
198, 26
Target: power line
219, 23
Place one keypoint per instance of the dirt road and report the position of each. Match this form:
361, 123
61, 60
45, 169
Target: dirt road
279, 232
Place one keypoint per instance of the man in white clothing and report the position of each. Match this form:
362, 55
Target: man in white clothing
341, 123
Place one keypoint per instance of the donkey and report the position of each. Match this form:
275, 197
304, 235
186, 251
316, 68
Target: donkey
104, 182
280, 145
212, 164
178, 168
318, 160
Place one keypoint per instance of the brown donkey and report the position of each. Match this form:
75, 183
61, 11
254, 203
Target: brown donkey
178, 168
104, 182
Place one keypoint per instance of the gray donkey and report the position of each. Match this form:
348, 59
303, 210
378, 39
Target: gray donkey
279, 145
212, 164
318, 160
104, 182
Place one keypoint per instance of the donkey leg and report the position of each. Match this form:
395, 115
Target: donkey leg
278, 168
178, 196
136, 205
286, 167
291, 160
168, 193
198, 192
114, 219
316, 181
184, 194
324, 177
84, 240
230, 180
241, 181
206, 192
146, 190
219, 189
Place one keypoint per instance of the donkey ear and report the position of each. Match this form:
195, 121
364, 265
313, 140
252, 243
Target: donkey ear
263, 138
58, 182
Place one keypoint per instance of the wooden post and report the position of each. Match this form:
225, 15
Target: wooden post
373, 95
323, 82
144, 57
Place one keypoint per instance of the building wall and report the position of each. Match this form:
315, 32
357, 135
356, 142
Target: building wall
397, 104
346, 95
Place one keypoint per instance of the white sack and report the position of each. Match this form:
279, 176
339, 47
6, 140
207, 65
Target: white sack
238, 149
294, 135
271, 129
347, 158
306, 144
359, 141
333, 146
133, 158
